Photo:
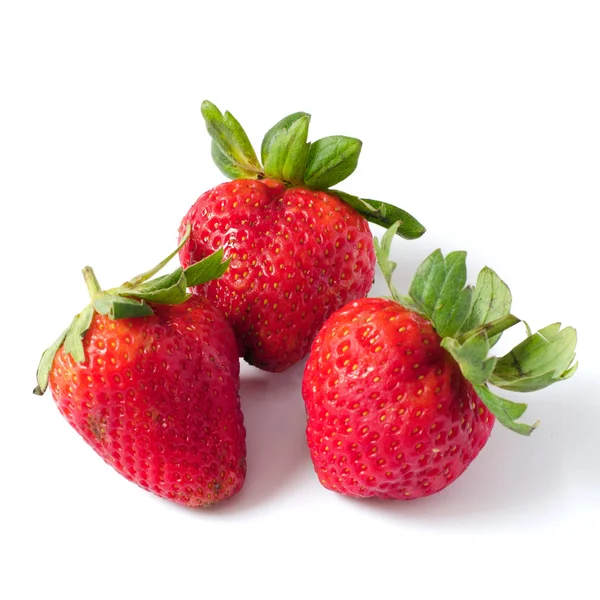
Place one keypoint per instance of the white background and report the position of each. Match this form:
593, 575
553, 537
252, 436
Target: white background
481, 118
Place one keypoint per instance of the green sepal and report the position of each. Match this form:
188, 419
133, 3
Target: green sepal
80, 324
119, 307
491, 300
270, 136
228, 166
438, 289
385, 215
231, 149
168, 289
382, 252
471, 356
538, 361
505, 411
43, 371
331, 160
284, 150
207, 269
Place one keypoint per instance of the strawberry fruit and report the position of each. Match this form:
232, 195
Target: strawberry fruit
397, 390
298, 249
148, 375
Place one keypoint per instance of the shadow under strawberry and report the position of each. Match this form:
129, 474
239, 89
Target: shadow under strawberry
516, 482
275, 421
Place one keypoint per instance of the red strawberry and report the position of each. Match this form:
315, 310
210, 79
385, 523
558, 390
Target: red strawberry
153, 387
396, 391
298, 250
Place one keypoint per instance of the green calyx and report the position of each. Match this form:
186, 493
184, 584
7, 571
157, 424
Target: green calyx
288, 156
470, 320
130, 300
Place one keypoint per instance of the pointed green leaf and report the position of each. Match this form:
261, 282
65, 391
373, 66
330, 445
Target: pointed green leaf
491, 300
382, 252
437, 289
168, 289
209, 268
43, 371
231, 149
73, 340
538, 361
384, 215
471, 357
285, 123
331, 160
229, 167
285, 149
428, 282
504, 410
118, 307
454, 302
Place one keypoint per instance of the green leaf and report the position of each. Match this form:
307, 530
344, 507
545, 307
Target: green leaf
437, 289
491, 300
285, 149
168, 289
231, 150
209, 268
228, 166
538, 361
73, 339
285, 123
43, 371
382, 252
331, 160
504, 410
118, 307
384, 214
471, 357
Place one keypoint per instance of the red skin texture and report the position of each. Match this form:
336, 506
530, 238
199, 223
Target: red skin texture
296, 256
390, 414
157, 399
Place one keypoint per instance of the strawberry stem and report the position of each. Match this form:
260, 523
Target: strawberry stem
92, 283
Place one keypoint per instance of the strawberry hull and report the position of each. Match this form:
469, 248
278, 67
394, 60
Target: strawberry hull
297, 255
157, 398
389, 413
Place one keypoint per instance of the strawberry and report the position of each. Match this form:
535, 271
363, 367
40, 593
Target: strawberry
397, 390
298, 250
148, 375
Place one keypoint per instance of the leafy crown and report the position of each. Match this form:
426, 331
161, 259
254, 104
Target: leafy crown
130, 300
470, 320
288, 156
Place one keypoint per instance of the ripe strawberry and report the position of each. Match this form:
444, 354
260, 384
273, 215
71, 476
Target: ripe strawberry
396, 390
149, 377
298, 250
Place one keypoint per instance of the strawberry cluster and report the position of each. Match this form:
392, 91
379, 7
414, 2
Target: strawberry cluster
276, 265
